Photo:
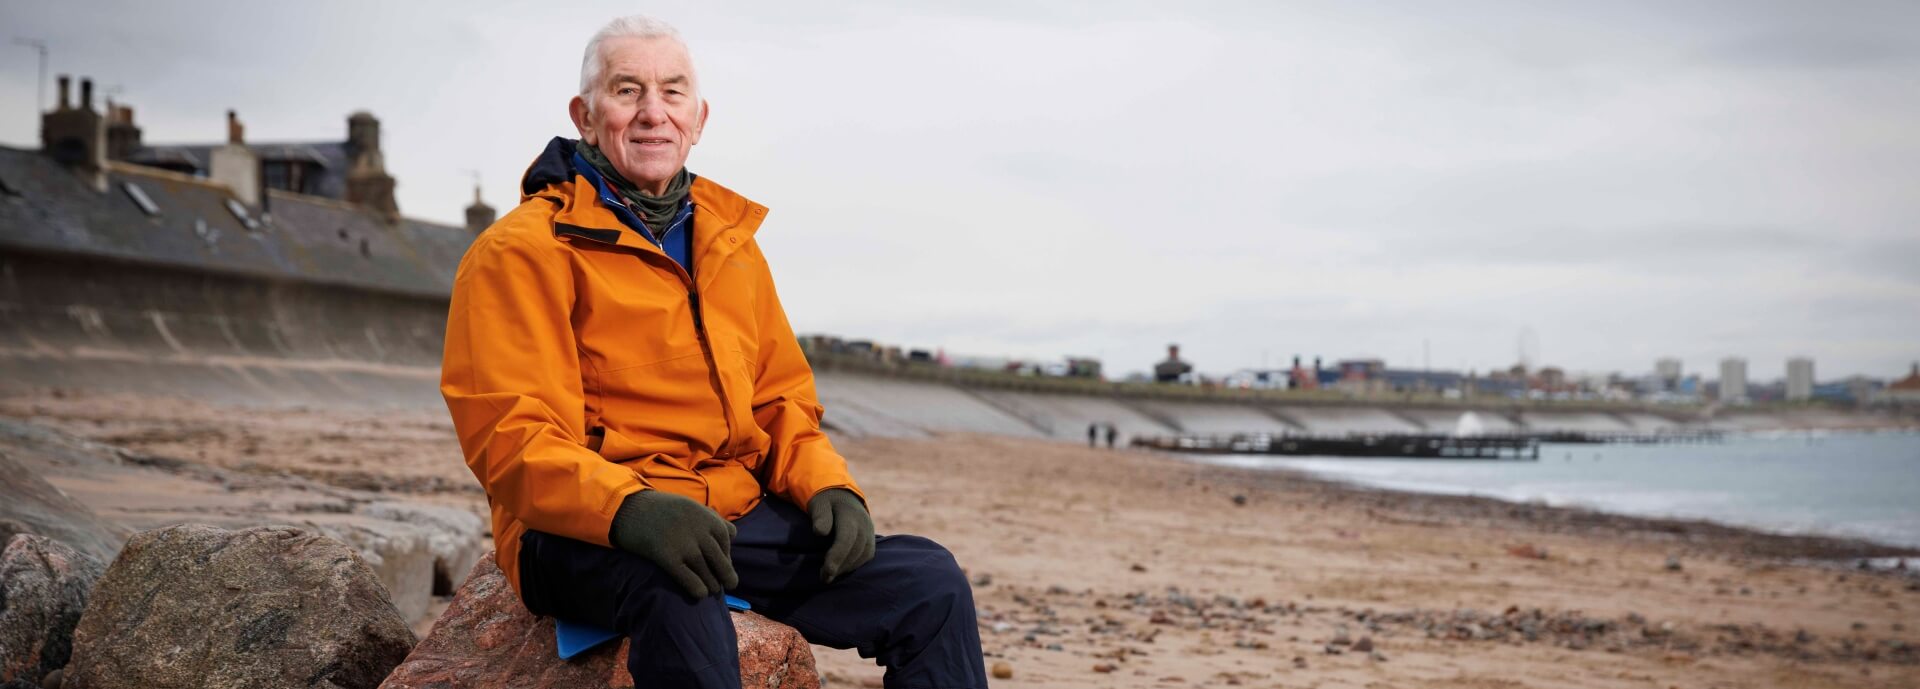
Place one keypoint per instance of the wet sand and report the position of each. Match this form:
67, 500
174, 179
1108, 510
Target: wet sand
1098, 568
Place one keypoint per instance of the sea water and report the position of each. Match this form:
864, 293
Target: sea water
1864, 485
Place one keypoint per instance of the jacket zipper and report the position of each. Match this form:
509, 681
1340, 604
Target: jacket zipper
700, 332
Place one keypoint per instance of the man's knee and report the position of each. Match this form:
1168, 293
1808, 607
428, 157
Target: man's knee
934, 575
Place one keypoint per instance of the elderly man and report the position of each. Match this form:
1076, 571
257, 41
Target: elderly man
627, 389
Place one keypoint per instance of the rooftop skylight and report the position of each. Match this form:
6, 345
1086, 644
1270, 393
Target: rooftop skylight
140, 198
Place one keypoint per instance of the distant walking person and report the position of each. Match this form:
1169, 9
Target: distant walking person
1093, 435
1111, 434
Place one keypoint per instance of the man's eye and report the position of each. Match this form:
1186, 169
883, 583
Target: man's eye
627, 91
673, 93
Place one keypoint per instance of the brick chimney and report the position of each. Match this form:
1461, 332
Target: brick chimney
368, 183
235, 165
77, 136
480, 216
123, 136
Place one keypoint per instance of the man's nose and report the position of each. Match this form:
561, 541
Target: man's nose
652, 112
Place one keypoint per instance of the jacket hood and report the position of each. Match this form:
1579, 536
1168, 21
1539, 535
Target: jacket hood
553, 166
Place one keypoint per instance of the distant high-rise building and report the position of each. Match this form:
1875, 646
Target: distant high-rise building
1733, 380
1668, 371
1799, 379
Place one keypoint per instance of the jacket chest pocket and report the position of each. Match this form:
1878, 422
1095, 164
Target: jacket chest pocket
619, 331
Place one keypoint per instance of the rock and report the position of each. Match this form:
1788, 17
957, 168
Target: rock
1528, 551
454, 537
28, 504
1341, 636
1364, 645
415, 549
1002, 670
1673, 563
1105, 668
199, 606
53, 680
43, 591
486, 638
1239, 501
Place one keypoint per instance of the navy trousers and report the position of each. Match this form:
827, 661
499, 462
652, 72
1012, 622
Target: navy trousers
910, 607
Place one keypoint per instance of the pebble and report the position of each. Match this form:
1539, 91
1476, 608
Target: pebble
1300, 662
1364, 645
1240, 501
53, 680
1378, 657
1673, 563
1528, 551
1104, 668
1002, 670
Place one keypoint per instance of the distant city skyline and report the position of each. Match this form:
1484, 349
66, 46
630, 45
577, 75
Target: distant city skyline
1613, 183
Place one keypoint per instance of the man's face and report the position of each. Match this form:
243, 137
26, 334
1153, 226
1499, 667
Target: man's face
646, 112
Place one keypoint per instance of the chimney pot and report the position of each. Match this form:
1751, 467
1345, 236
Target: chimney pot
236, 132
65, 83
86, 94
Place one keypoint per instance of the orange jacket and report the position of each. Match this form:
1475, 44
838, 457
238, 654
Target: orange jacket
582, 365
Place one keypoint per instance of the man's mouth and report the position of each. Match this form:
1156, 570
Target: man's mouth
652, 141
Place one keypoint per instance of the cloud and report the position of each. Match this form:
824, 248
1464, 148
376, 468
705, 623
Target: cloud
1624, 180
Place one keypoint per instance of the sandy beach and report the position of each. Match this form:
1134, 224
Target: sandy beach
1098, 568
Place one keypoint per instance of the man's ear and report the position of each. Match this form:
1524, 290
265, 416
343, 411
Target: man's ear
701, 126
582, 120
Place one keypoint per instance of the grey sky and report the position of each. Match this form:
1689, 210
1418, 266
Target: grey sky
1252, 180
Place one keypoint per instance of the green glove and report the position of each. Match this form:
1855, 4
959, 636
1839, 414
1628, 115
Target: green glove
683, 537
838, 511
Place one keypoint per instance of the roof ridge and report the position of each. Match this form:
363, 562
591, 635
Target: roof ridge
124, 167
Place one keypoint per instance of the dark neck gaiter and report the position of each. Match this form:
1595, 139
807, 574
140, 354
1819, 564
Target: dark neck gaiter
656, 211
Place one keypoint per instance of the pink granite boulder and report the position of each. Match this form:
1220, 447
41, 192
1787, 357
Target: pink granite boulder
487, 638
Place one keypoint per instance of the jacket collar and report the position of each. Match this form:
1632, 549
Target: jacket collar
723, 221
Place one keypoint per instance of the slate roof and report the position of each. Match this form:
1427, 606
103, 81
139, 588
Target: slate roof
331, 155
47, 208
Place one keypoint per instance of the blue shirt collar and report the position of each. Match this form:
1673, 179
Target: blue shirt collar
620, 210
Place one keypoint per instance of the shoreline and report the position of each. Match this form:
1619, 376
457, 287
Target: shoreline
1097, 568
1818, 547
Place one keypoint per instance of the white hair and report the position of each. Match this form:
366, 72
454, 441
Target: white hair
634, 26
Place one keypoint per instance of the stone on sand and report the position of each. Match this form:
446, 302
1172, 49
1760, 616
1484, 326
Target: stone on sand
486, 638
43, 591
200, 606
